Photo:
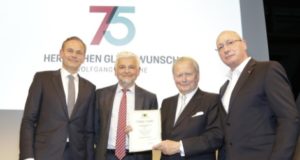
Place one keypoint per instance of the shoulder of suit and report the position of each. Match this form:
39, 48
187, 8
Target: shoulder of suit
47, 73
171, 98
268, 65
86, 81
139, 89
206, 95
265, 63
107, 88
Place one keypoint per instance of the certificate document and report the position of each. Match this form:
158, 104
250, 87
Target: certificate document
146, 130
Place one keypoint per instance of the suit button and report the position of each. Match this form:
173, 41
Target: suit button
228, 124
230, 143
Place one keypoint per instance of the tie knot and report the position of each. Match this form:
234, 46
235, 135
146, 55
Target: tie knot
71, 77
183, 97
124, 90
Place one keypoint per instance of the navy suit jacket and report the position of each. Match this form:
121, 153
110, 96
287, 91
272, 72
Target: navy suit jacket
263, 121
198, 126
46, 125
144, 100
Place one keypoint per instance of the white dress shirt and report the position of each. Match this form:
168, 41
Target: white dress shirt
130, 95
65, 80
233, 77
180, 106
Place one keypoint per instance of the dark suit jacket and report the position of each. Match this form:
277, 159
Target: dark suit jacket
144, 100
297, 150
46, 125
263, 122
201, 135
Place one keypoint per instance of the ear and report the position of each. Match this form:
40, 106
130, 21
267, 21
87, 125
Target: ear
60, 53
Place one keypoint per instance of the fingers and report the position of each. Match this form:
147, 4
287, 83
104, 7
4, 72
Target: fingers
157, 146
168, 147
128, 129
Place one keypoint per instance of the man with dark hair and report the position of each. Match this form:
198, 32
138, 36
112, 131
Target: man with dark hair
58, 118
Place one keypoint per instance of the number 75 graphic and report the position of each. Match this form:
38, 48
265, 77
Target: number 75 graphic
112, 17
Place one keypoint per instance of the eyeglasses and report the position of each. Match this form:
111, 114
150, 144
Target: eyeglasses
227, 43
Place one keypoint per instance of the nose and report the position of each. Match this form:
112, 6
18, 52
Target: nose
226, 49
127, 69
184, 78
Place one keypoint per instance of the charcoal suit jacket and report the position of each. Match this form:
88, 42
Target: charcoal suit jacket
46, 124
198, 126
263, 121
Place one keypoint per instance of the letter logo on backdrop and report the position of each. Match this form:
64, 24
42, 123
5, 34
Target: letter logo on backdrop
112, 16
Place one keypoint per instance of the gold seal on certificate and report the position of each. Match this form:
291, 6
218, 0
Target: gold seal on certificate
146, 130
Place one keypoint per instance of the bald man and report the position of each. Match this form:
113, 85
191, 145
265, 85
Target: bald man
259, 114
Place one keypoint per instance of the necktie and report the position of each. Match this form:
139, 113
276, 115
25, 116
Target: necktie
182, 105
71, 95
121, 135
183, 98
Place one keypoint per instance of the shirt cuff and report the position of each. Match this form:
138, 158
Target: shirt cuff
182, 154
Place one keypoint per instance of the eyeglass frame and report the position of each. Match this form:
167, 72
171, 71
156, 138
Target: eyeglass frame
227, 43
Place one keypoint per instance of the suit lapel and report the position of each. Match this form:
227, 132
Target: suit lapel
172, 112
57, 82
139, 98
188, 110
81, 95
223, 88
110, 99
241, 81
222, 91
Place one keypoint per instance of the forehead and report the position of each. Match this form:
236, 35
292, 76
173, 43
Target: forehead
127, 60
73, 43
184, 66
227, 36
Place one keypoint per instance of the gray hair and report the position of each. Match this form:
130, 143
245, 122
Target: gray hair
127, 54
183, 59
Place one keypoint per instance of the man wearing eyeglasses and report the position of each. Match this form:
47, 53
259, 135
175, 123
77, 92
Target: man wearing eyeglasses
259, 115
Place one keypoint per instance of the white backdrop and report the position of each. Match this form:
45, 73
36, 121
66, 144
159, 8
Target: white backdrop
32, 32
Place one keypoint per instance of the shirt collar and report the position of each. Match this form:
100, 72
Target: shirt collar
191, 94
130, 89
64, 73
238, 70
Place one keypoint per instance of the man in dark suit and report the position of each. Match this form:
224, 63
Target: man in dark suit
53, 127
260, 118
108, 99
190, 126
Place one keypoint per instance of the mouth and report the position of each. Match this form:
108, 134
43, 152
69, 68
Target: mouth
73, 60
229, 55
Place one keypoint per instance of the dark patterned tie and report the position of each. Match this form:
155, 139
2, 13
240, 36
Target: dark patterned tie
120, 151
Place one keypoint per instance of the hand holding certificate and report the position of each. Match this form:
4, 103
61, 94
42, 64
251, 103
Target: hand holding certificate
146, 130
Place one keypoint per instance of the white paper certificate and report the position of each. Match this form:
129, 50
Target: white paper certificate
146, 130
